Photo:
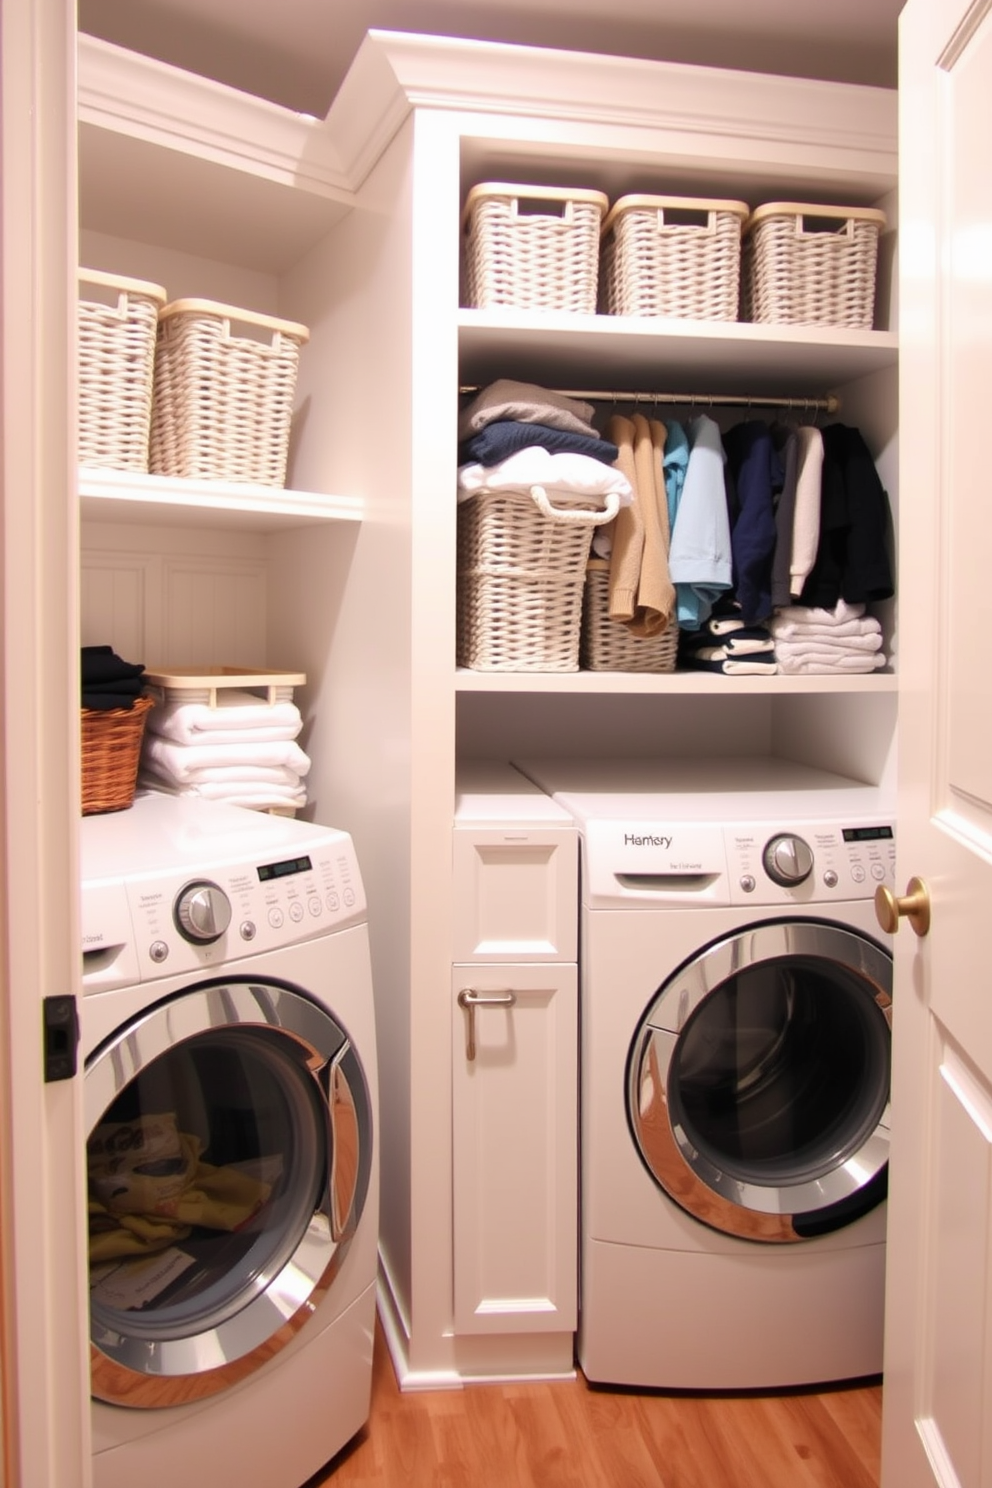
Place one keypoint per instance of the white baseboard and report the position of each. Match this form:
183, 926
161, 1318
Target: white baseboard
397, 1334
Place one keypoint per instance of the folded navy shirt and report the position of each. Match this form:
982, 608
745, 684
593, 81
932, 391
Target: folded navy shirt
504, 437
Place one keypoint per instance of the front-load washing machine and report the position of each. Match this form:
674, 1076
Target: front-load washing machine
735, 1047
231, 1103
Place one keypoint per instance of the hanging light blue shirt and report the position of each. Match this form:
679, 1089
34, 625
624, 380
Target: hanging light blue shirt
700, 561
676, 459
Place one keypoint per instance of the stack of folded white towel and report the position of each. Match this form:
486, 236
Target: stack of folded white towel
843, 639
242, 751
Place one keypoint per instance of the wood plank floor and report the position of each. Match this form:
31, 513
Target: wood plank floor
573, 1435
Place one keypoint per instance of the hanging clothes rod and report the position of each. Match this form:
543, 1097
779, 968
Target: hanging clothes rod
828, 404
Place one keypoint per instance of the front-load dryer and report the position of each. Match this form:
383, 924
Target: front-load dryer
230, 1096
735, 1045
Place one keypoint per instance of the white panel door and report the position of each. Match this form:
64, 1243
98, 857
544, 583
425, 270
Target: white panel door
515, 1112
44, 1370
938, 1365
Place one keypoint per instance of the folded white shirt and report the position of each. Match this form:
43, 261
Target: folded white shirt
562, 474
797, 631
826, 646
861, 661
812, 615
177, 760
238, 716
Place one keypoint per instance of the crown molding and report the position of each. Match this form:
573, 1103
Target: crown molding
395, 73
130, 94
842, 133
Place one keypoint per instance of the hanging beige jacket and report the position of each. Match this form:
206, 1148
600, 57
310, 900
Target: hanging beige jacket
628, 529
655, 590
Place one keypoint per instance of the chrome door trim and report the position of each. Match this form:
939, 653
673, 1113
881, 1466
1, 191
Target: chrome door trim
713, 965
145, 1371
746, 1209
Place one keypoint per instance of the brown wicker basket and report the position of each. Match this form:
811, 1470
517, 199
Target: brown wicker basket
111, 746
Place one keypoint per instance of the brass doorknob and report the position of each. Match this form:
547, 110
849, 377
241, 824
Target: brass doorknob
914, 906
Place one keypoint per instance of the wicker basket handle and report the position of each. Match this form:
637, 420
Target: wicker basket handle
569, 514
816, 225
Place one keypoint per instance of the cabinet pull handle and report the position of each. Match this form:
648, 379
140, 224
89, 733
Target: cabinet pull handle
470, 999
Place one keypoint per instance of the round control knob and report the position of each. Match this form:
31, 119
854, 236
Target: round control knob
202, 912
788, 860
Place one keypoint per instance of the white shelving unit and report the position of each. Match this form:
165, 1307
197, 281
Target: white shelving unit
742, 358
158, 499
350, 225
669, 684
220, 195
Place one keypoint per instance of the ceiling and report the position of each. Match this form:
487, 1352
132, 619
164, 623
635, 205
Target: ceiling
295, 52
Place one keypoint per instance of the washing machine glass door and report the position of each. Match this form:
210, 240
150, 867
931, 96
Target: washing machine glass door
758, 1082
228, 1158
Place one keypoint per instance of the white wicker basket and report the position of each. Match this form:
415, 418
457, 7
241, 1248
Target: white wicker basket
223, 401
521, 568
116, 320
811, 265
201, 684
531, 247
676, 256
608, 645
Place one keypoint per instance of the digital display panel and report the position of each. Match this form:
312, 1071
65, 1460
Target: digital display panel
282, 870
867, 834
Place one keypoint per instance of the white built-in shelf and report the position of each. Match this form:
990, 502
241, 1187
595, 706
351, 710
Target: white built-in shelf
642, 354
181, 161
116, 495
668, 684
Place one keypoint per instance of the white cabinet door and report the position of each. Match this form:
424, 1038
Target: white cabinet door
937, 1423
515, 1077
515, 894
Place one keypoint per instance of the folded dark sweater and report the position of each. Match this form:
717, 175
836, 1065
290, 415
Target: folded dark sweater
102, 664
107, 680
506, 436
106, 700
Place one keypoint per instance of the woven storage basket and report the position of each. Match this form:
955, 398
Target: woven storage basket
521, 568
531, 247
223, 401
676, 256
608, 645
116, 320
111, 747
811, 265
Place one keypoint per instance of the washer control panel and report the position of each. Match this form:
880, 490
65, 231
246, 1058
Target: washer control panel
156, 924
815, 862
654, 862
